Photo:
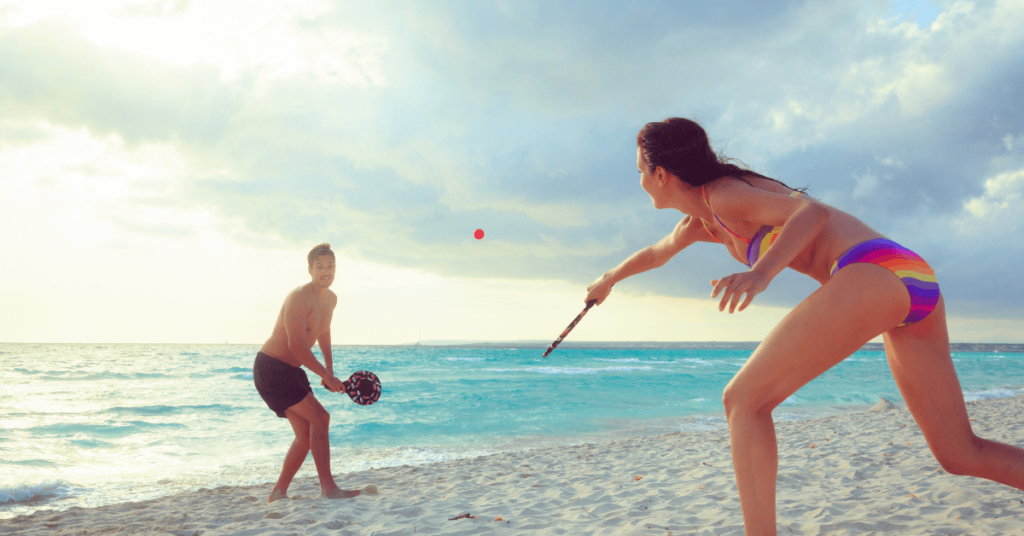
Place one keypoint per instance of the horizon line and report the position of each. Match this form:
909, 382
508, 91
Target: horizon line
540, 343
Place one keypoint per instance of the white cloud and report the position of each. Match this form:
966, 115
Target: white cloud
867, 183
922, 87
1010, 141
70, 179
887, 61
1000, 207
890, 161
237, 36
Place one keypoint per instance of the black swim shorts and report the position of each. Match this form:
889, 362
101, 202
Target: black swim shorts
280, 384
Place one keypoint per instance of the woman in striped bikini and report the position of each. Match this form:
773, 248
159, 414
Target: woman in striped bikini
870, 286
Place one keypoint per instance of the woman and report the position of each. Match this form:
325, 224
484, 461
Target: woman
869, 286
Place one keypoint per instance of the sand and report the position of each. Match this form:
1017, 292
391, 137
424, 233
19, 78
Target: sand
860, 473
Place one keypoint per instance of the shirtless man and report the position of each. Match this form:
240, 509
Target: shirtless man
305, 318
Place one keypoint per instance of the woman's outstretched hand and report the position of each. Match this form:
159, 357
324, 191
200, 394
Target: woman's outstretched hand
750, 283
599, 289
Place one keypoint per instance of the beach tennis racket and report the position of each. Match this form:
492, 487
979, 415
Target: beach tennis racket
363, 387
568, 329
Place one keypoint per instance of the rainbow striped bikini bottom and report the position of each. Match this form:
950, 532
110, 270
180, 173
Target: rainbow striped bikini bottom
918, 277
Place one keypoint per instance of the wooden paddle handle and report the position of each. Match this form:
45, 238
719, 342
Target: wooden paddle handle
579, 317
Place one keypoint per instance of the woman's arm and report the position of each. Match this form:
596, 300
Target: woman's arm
800, 220
796, 234
687, 232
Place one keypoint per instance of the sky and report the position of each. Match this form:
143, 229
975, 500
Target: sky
165, 166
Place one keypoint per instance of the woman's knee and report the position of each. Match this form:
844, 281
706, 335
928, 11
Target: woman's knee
959, 459
729, 398
739, 398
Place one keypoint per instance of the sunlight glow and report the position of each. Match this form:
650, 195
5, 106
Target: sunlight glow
121, 241
74, 177
234, 35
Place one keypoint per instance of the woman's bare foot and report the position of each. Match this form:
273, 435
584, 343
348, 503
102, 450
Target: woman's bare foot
277, 495
338, 493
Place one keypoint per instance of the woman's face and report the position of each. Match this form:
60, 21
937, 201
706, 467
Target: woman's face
647, 181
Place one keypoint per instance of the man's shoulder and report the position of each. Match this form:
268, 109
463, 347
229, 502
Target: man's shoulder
299, 295
333, 297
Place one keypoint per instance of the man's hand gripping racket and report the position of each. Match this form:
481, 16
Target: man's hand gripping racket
363, 387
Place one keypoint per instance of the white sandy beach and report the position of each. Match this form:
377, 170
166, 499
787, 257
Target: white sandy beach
863, 473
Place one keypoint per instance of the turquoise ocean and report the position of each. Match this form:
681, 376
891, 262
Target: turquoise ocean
89, 425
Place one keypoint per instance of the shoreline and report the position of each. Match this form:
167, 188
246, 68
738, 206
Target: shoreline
342, 462
856, 473
347, 461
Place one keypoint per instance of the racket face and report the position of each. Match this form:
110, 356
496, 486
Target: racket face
363, 387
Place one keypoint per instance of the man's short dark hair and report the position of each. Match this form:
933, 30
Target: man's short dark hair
322, 249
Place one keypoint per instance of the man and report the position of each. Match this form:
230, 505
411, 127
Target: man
305, 318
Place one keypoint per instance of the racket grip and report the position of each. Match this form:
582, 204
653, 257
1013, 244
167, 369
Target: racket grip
344, 385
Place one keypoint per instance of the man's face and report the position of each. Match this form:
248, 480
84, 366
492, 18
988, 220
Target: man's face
322, 271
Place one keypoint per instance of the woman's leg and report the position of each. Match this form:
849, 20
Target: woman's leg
859, 303
919, 358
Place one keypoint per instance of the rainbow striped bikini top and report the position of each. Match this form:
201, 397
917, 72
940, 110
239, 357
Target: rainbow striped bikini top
756, 246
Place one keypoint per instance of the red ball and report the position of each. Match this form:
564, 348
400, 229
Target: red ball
478, 234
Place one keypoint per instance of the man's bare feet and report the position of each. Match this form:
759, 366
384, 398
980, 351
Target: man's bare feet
338, 493
277, 495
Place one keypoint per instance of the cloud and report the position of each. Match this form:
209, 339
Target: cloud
998, 207
394, 131
1010, 141
890, 161
67, 80
159, 8
867, 183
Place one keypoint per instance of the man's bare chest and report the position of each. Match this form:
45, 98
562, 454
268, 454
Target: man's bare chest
316, 320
